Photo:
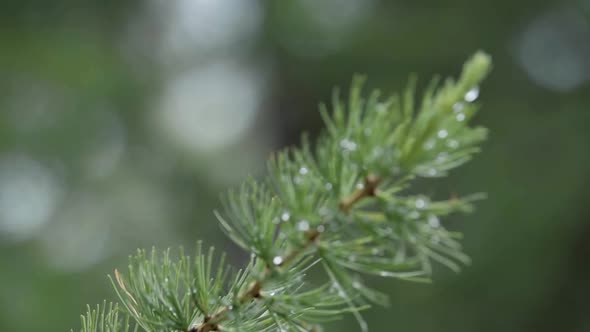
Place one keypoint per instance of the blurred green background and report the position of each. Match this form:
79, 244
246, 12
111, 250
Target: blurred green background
122, 121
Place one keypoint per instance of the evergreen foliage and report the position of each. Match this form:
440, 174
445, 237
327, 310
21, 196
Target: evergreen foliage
341, 205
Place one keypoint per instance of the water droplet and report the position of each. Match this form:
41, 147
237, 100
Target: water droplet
460, 117
333, 287
166, 280
342, 294
442, 133
253, 255
321, 229
433, 221
303, 225
458, 107
420, 203
429, 145
348, 145
472, 94
230, 307
272, 294
303, 171
278, 260
356, 285
285, 216
329, 186
431, 172
360, 186
442, 157
453, 144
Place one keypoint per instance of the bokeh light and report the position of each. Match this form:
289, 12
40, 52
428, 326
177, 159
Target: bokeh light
29, 195
554, 50
208, 108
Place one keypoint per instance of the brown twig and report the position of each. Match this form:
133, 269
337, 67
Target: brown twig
254, 290
211, 323
368, 190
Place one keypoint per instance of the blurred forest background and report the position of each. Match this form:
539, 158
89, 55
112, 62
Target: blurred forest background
122, 121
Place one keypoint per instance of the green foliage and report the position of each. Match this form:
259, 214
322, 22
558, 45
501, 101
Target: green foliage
106, 319
341, 204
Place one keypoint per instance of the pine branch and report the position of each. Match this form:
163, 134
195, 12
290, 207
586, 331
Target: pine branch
340, 206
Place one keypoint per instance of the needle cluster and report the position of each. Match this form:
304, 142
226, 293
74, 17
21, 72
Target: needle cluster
340, 206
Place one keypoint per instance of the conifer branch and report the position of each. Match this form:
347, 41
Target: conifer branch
340, 206
312, 236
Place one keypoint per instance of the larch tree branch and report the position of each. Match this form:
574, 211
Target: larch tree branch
340, 206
